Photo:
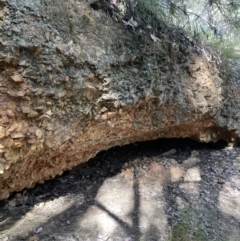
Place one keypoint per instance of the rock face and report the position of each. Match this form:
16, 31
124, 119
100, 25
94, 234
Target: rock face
75, 80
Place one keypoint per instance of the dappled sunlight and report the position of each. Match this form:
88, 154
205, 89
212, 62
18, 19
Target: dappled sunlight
118, 199
127, 207
98, 220
190, 188
176, 171
113, 203
229, 198
152, 209
191, 179
55, 206
180, 202
159, 197
35, 218
193, 175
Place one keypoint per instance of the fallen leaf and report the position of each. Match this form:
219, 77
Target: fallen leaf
154, 38
39, 230
149, 26
131, 22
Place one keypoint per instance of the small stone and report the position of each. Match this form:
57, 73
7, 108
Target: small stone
17, 135
193, 175
22, 63
134, 70
16, 30
47, 36
176, 171
12, 105
17, 78
221, 181
4, 194
10, 113
40, 102
12, 203
30, 215
5, 239
104, 109
104, 117
191, 161
26, 110
116, 104
2, 168
107, 81
39, 108
2, 132
32, 149
7, 142
32, 140
168, 153
3, 90
20, 93
66, 79
49, 112
194, 153
23, 234
39, 205
33, 114
11, 185
39, 230
39, 133
17, 144
4, 120
153, 194
13, 127
33, 238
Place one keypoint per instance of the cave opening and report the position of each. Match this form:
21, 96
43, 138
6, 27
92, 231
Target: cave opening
132, 192
109, 163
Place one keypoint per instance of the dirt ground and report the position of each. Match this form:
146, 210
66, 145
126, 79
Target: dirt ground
164, 190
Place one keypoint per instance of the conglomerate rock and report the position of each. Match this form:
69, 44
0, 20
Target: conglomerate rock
75, 80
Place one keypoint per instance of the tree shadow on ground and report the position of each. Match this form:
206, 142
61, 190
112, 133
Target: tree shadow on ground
84, 180
197, 211
84, 183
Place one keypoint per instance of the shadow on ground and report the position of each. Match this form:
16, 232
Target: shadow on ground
175, 189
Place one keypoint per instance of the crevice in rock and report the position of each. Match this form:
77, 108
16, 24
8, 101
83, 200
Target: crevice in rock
150, 149
111, 162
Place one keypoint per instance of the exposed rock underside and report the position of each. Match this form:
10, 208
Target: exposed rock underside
75, 81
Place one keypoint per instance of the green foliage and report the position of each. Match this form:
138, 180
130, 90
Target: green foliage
215, 21
71, 27
183, 232
218, 16
228, 49
189, 228
151, 10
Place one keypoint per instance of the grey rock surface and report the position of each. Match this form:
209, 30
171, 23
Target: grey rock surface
74, 81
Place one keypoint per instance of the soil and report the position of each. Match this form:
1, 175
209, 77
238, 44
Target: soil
169, 189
